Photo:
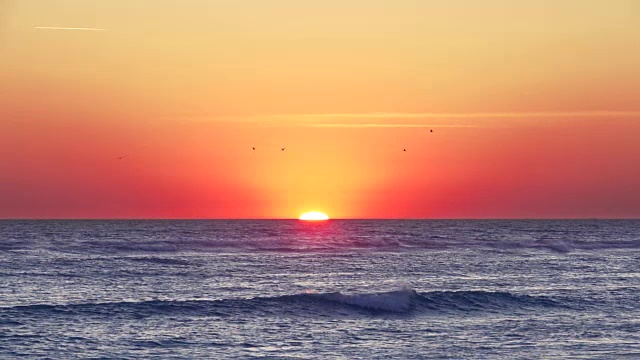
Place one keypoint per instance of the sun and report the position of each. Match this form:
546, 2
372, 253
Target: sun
314, 216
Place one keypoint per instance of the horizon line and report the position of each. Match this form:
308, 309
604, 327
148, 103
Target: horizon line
279, 219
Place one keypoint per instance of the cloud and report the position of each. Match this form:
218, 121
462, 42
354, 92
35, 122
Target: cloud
5, 11
404, 120
359, 125
417, 116
68, 28
477, 115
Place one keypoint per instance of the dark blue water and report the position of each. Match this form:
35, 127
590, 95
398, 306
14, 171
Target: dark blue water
338, 289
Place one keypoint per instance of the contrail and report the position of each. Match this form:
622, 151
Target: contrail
68, 28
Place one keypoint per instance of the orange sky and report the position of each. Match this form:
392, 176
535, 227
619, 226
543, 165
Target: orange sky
535, 107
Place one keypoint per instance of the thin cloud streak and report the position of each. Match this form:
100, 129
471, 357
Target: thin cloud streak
412, 120
5, 11
467, 115
68, 28
389, 126
390, 116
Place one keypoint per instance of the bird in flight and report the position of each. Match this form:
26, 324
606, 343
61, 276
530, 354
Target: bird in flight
282, 149
404, 149
254, 148
122, 157
431, 130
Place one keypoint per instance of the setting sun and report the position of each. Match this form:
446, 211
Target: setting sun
314, 216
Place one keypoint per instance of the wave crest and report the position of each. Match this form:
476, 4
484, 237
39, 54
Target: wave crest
395, 301
406, 301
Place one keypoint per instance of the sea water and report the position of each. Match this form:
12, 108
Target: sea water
370, 289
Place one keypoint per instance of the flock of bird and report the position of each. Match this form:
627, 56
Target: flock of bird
282, 149
253, 148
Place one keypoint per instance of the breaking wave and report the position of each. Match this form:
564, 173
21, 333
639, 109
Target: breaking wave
405, 301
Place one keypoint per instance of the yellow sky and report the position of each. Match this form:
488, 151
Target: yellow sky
229, 57
188, 85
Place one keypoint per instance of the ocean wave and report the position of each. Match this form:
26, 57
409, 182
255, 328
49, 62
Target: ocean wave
153, 252
404, 301
160, 260
159, 238
567, 246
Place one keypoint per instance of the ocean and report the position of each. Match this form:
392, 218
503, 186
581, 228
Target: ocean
341, 289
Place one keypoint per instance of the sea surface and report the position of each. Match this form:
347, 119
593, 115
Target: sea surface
341, 289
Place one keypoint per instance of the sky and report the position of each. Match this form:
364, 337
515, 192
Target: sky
534, 107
